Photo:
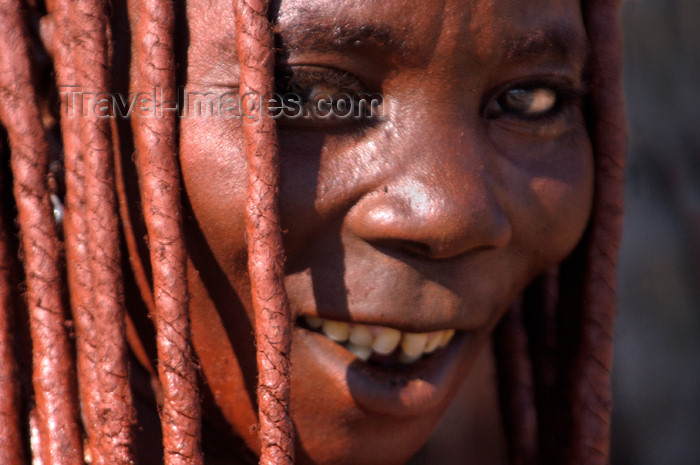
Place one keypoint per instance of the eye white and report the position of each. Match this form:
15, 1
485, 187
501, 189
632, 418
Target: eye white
535, 101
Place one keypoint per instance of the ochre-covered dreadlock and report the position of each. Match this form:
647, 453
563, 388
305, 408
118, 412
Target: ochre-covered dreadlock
554, 347
155, 140
10, 406
53, 371
111, 430
79, 274
255, 46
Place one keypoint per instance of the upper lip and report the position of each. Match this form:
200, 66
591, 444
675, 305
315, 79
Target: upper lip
403, 323
404, 326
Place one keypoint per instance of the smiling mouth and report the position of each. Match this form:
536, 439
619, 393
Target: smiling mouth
380, 345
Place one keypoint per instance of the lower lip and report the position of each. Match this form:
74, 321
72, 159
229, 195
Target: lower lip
413, 390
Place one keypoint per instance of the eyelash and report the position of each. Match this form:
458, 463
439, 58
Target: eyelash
306, 77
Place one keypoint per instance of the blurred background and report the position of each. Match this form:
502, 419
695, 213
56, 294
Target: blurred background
656, 376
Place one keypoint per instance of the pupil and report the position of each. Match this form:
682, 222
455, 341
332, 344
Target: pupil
519, 95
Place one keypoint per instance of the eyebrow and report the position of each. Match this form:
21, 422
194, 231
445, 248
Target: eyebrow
558, 41
322, 37
305, 36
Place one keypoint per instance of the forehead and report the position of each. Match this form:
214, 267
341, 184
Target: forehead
409, 30
405, 31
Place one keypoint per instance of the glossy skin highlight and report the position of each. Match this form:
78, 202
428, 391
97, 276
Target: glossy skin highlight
435, 216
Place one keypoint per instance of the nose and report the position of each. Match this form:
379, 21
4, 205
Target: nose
441, 202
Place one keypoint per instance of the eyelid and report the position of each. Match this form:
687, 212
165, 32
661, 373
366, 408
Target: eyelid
316, 74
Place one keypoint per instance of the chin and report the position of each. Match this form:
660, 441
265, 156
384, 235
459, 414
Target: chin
348, 410
384, 443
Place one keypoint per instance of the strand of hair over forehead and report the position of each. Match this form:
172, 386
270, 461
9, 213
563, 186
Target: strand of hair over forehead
557, 399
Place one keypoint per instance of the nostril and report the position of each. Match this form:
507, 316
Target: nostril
424, 250
414, 248
417, 248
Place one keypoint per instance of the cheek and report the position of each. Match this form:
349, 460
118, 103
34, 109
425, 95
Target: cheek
213, 167
556, 207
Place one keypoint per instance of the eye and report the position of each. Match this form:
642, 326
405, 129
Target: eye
307, 80
542, 107
323, 97
535, 102
528, 102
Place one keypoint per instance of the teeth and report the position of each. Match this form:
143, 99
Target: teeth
386, 341
314, 322
405, 358
446, 337
362, 352
361, 336
433, 343
413, 344
363, 340
336, 330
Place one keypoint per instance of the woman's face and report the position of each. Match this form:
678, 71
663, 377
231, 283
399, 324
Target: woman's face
428, 218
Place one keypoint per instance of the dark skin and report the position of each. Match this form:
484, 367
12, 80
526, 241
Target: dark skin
436, 216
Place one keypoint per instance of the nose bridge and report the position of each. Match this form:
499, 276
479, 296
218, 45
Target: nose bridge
441, 202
